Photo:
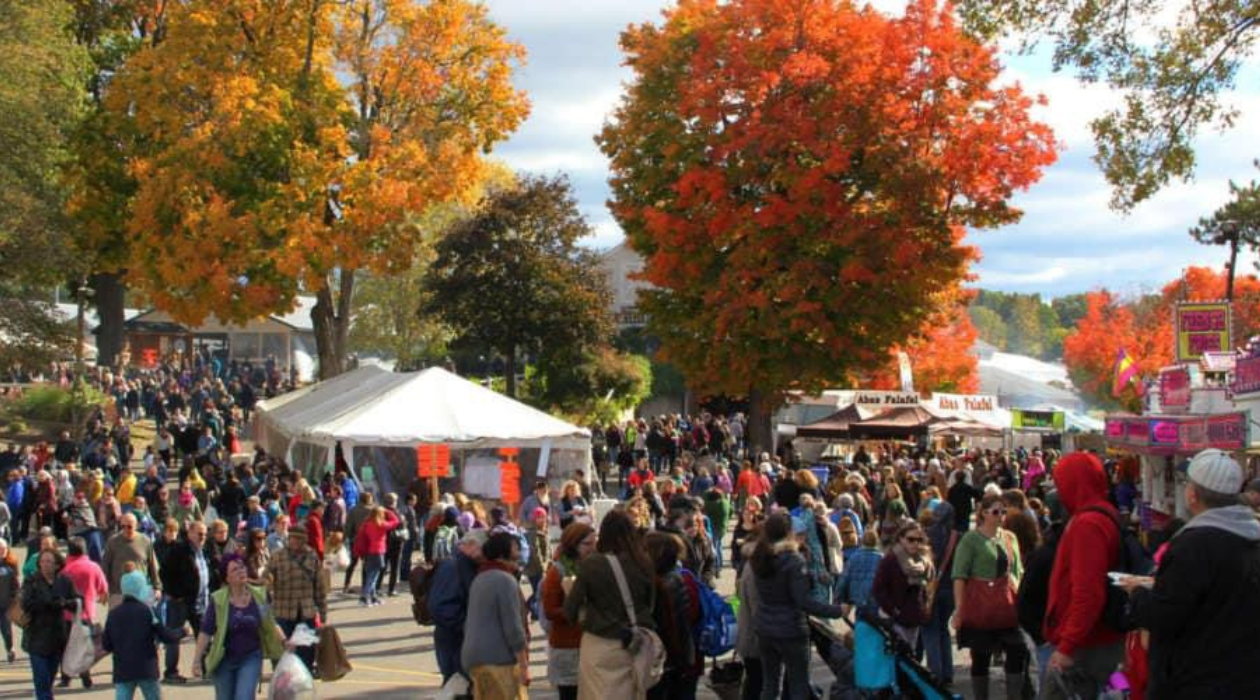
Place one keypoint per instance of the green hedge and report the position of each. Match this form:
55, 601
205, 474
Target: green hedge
54, 403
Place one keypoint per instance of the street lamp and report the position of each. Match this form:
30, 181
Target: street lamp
1227, 232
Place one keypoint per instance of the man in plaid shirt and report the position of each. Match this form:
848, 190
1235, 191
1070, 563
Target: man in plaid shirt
298, 592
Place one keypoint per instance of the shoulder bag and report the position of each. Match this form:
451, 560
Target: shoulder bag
646, 647
989, 604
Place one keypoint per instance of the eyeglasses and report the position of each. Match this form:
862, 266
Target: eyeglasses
916, 540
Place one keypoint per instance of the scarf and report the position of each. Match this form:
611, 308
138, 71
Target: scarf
918, 570
185, 499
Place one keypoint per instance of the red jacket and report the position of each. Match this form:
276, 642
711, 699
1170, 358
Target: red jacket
1089, 548
315, 535
371, 537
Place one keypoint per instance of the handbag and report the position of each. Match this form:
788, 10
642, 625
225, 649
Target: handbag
989, 604
18, 615
645, 646
330, 653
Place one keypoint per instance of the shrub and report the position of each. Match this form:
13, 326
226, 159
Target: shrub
57, 404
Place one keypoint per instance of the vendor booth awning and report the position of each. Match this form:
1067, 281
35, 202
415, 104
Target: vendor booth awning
836, 425
898, 423
962, 427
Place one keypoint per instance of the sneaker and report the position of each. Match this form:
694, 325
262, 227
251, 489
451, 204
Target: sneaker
363, 603
377, 602
174, 679
87, 680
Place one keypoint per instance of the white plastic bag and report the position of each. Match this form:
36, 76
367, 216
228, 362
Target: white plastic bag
456, 687
80, 653
303, 636
341, 560
291, 680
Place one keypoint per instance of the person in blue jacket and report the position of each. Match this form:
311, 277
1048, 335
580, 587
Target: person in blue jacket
448, 601
131, 635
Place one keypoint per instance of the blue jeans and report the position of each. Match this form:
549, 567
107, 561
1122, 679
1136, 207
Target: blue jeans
127, 689
238, 680
936, 635
447, 644
780, 657
95, 544
408, 549
373, 565
43, 671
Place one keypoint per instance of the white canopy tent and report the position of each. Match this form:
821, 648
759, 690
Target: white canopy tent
370, 411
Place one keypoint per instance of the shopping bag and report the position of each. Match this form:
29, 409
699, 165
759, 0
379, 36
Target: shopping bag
341, 560
291, 680
80, 651
17, 615
330, 655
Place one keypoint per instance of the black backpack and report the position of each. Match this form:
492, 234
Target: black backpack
1133, 560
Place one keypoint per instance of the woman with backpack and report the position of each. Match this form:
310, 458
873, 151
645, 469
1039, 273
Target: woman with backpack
784, 602
677, 612
577, 542
987, 560
596, 602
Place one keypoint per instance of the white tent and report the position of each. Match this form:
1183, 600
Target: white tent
371, 409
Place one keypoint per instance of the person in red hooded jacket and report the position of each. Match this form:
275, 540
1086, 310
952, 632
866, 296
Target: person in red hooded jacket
1086, 650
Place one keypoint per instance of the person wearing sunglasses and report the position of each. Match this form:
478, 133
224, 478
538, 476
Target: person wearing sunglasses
902, 579
986, 570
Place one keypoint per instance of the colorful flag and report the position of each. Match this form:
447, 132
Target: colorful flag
1126, 372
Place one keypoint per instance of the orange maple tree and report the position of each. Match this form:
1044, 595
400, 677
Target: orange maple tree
799, 177
287, 145
1143, 328
940, 353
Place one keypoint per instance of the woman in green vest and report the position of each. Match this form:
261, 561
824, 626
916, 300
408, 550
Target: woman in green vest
239, 631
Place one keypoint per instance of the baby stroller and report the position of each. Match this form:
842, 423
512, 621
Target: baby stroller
880, 664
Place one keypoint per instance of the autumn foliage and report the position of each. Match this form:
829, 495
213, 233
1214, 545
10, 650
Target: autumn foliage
940, 355
799, 178
1144, 329
286, 144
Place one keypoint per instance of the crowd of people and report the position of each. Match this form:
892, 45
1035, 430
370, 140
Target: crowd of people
1004, 553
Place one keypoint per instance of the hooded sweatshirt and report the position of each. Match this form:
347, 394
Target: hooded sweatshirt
1090, 547
1201, 613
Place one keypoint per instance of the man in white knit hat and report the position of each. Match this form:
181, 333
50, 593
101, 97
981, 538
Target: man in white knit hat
1205, 599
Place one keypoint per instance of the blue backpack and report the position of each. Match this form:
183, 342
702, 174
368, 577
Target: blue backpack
716, 630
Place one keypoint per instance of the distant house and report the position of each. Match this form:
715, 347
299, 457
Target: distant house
618, 264
289, 338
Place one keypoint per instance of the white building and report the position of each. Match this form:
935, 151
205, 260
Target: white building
619, 263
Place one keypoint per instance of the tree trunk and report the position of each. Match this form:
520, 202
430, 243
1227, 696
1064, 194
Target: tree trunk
109, 298
509, 368
331, 318
760, 414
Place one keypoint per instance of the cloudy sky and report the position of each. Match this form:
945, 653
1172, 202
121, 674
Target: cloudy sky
1069, 240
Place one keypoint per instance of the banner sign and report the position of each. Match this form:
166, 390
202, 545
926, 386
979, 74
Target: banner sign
1202, 327
875, 399
1043, 420
1180, 434
1246, 376
1174, 388
433, 461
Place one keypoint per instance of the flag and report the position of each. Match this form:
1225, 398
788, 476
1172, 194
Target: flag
1126, 372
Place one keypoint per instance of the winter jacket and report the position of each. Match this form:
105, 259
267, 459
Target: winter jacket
677, 612
859, 576
47, 603
1202, 611
784, 596
448, 597
131, 635
905, 604
1089, 548
562, 635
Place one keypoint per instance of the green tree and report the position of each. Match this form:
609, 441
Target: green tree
42, 73
1173, 69
1070, 309
1024, 322
989, 325
591, 384
513, 278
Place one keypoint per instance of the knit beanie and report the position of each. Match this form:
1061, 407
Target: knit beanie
1216, 471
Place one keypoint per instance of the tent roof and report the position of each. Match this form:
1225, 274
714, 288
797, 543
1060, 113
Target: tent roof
836, 425
964, 427
377, 407
903, 420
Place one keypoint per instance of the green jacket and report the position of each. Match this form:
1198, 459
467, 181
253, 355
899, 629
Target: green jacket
272, 644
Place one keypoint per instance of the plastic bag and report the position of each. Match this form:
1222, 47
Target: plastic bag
80, 652
341, 560
291, 680
303, 636
456, 687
